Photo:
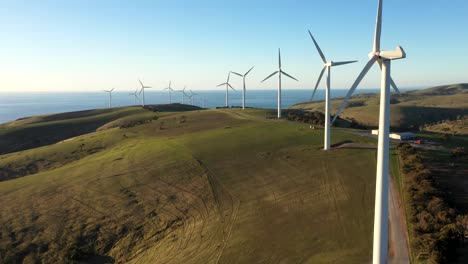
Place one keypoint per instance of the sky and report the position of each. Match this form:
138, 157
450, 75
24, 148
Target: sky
90, 45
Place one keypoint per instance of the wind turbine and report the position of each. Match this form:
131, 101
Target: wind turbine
280, 71
135, 96
143, 91
191, 96
383, 59
243, 81
227, 88
326, 66
170, 90
110, 96
183, 93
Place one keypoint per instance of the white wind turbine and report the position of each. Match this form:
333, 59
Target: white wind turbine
135, 96
183, 93
191, 96
227, 88
169, 88
326, 66
110, 96
383, 59
243, 89
280, 71
143, 91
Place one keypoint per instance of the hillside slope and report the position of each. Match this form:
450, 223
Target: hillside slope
193, 187
408, 110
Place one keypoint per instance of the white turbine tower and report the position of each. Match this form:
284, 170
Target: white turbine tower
110, 96
383, 59
326, 66
243, 89
135, 96
143, 91
227, 89
169, 88
280, 71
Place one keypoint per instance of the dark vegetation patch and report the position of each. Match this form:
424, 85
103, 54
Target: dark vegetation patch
436, 229
315, 118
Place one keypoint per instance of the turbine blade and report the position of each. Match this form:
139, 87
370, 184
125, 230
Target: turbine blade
318, 48
355, 84
231, 87
141, 90
378, 28
249, 71
279, 58
141, 84
216, 85
229, 75
318, 82
269, 76
238, 74
112, 90
289, 76
342, 63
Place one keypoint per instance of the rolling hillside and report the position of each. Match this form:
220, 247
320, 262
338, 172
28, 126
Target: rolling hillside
214, 186
408, 110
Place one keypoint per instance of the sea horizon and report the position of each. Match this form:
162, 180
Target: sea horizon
17, 105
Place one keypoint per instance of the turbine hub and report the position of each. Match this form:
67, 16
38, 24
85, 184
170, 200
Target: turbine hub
397, 53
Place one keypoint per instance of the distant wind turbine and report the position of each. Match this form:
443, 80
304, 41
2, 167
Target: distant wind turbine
227, 88
280, 71
326, 66
169, 88
183, 93
135, 96
110, 96
243, 89
143, 91
383, 59
191, 96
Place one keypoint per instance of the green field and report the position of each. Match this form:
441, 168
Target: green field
212, 186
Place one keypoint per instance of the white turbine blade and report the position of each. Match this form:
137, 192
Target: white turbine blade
279, 58
378, 28
106, 91
318, 82
142, 86
318, 48
249, 71
289, 76
216, 85
342, 63
355, 85
229, 75
393, 84
141, 90
269, 76
230, 86
237, 74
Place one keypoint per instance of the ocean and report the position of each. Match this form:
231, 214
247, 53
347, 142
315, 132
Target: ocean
19, 105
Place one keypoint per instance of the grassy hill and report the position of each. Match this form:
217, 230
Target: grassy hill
186, 187
408, 110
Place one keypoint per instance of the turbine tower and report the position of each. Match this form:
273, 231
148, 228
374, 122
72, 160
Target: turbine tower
191, 96
169, 88
227, 89
110, 96
280, 71
135, 96
383, 59
326, 66
143, 91
243, 89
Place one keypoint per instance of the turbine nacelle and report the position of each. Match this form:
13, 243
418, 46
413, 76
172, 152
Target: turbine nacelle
397, 53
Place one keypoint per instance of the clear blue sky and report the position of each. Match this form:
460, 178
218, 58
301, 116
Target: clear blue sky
93, 45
